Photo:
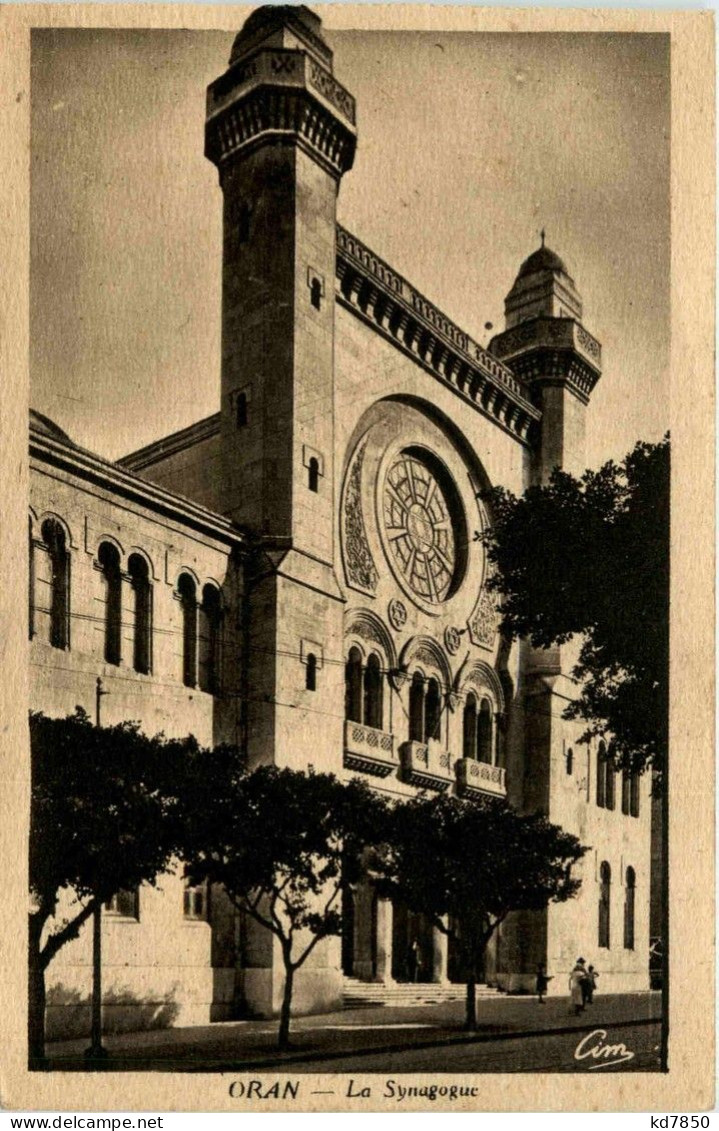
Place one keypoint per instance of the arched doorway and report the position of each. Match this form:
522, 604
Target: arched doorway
412, 946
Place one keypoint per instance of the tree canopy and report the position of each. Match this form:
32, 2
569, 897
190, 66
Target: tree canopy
590, 557
466, 864
282, 843
104, 817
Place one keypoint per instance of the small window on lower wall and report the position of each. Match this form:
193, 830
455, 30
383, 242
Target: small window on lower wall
124, 903
195, 902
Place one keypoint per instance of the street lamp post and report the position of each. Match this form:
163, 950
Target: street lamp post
96, 1053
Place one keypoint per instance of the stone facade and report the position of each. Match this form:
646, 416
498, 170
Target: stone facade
326, 520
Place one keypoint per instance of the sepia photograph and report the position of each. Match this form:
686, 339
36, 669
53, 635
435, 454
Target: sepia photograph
348, 566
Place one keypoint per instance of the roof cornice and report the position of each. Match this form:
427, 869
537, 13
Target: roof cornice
382, 298
170, 445
102, 473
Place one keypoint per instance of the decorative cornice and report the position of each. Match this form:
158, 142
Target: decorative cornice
547, 349
102, 473
277, 95
373, 290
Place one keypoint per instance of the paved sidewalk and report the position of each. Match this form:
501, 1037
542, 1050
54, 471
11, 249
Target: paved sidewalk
244, 1045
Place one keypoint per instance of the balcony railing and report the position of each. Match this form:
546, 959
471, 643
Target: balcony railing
426, 765
479, 777
369, 750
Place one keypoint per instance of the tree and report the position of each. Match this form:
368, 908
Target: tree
467, 864
104, 817
590, 557
282, 843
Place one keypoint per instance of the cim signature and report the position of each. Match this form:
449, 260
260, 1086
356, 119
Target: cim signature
593, 1046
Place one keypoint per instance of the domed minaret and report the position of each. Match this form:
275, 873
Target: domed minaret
547, 347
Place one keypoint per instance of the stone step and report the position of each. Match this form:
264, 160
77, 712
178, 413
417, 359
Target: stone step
357, 994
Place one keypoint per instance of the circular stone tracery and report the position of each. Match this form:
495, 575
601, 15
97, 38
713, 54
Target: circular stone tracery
419, 528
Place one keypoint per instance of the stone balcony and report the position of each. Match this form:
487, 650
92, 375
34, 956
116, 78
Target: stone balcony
425, 765
474, 778
369, 750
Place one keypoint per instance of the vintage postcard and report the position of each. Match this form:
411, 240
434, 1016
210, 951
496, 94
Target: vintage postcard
369, 763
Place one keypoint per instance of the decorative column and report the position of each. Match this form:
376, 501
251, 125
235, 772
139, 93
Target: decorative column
440, 948
385, 917
363, 932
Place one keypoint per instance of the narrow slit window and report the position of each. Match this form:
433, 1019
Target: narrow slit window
311, 672
313, 475
55, 601
353, 686
484, 732
188, 600
142, 613
605, 889
469, 744
241, 410
109, 558
316, 293
630, 883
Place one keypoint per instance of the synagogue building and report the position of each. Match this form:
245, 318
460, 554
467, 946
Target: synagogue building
300, 574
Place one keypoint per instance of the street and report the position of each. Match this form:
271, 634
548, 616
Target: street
548, 1052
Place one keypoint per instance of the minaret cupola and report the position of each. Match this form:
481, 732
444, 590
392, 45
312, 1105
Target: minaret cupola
547, 347
542, 287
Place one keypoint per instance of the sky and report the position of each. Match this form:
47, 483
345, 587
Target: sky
469, 144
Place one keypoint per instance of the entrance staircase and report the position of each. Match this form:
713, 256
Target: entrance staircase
362, 995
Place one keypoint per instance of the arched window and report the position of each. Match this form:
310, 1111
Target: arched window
188, 600
570, 760
626, 789
353, 686
611, 776
469, 738
484, 732
142, 613
31, 584
55, 601
602, 776
630, 881
432, 711
210, 621
373, 692
311, 672
241, 410
605, 888
109, 558
634, 795
416, 708
313, 474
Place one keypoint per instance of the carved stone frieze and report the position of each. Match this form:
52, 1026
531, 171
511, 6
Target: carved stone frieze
484, 621
359, 564
375, 292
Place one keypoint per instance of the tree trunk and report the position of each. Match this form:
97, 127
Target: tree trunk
284, 1033
36, 998
470, 1022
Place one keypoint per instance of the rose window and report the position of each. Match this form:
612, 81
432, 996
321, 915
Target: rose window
419, 529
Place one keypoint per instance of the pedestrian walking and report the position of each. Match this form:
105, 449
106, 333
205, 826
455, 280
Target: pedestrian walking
543, 980
576, 986
592, 976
